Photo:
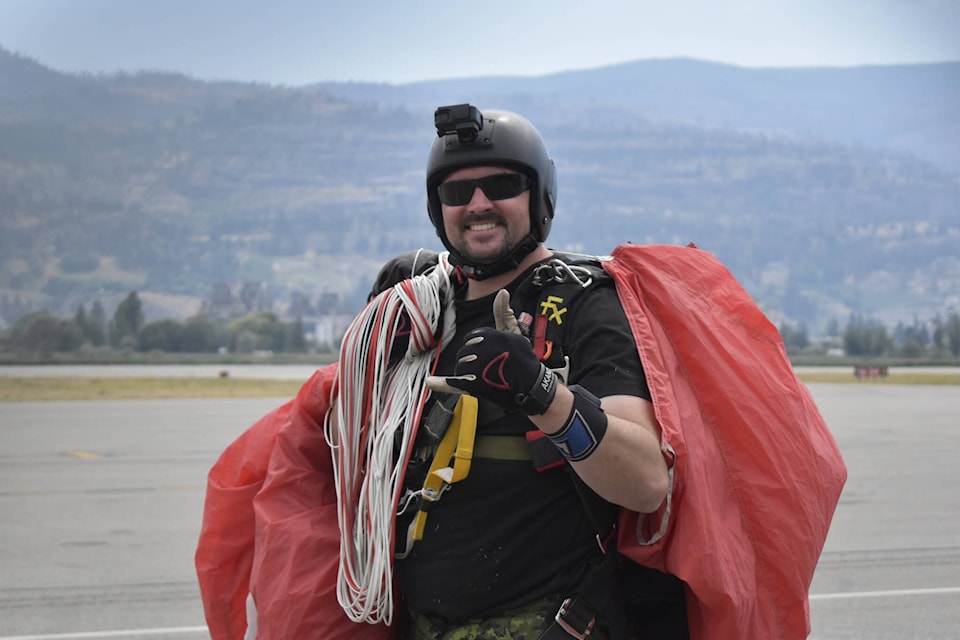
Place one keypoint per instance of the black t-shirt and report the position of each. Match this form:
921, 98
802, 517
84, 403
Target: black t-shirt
508, 534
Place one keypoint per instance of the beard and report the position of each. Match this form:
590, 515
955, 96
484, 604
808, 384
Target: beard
487, 253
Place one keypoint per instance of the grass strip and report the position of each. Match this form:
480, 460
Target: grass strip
49, 389
53, 389
899, 377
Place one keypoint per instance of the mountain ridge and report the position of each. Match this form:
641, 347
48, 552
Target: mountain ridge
748, 98
168, 184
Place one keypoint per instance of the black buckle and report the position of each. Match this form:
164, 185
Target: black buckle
576, 617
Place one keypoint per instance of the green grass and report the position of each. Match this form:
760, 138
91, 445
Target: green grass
905, 377
51, 389
41, 389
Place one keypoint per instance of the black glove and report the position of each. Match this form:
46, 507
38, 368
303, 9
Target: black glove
498, 365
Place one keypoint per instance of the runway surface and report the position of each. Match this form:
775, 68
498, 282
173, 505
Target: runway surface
100, 506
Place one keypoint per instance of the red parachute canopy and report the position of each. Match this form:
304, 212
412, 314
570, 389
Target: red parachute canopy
756, 476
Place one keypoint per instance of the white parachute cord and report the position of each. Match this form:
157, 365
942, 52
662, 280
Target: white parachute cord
378, 408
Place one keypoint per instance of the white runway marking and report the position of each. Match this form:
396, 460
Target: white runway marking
143, 633
95, 635
894, 593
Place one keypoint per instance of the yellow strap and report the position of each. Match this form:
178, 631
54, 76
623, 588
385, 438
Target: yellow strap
457, 443
466, 414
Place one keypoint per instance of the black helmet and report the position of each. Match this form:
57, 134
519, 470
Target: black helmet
467, 138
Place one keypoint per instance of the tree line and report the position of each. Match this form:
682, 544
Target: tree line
868, 337
40, 333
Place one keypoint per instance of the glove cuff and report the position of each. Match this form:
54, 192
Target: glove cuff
540, 397
584, 429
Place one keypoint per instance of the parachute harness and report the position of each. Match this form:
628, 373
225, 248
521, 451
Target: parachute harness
378, 405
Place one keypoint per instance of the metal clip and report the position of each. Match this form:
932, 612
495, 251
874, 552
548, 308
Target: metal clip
432, 495
542, 275
563, 372
587, 623
559, 271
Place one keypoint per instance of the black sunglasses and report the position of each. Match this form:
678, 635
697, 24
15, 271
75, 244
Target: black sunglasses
499, 186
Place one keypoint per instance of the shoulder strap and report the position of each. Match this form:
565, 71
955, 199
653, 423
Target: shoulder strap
543, 300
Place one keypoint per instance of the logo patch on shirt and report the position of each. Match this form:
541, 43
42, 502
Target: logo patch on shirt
550, 308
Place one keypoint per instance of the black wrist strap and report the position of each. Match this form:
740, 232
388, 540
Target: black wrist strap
584, 429
539, 398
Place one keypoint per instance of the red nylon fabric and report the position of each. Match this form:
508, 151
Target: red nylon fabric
757, 474
297, 539
270, 528
224, 555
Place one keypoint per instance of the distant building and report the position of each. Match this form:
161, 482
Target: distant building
328, 330
235, 300
324, 319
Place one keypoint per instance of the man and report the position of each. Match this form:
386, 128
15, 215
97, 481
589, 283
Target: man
509, 544
533, 493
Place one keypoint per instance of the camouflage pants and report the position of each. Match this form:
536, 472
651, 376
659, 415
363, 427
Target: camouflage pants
527, 623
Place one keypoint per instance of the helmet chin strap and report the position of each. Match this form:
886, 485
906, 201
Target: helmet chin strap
507, 263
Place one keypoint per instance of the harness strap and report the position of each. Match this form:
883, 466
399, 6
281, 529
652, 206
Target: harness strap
535, 447
543, 453
575, 618
598, 600
465, 417
541, 348
457, 445
501, 448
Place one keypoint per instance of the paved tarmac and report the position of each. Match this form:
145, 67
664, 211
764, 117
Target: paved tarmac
100, 506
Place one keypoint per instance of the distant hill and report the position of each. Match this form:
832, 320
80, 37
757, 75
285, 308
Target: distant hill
826, 191
907, 108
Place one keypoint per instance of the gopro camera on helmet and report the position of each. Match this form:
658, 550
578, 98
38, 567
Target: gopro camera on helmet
462, 119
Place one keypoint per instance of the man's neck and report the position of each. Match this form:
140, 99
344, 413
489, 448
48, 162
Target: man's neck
481, 288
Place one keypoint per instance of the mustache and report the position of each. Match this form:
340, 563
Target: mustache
481, 217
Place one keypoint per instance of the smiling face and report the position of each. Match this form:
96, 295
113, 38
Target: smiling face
484, 230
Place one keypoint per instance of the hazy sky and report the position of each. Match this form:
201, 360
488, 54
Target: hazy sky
297, 42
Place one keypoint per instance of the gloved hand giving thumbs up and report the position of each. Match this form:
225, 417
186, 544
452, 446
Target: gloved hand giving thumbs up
498, 364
